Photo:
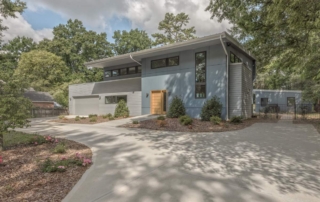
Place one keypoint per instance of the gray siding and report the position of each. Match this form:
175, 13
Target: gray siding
180, 80
78, 90
246, 92
235, 90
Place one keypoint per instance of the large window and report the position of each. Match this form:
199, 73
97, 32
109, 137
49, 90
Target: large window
123, 71
264, 102
201, 66
165, 62
115, 72
291, 101
234, 58
115, 99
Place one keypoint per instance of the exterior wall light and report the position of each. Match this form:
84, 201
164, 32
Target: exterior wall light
147, 95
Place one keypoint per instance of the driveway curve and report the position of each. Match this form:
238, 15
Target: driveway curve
266, 162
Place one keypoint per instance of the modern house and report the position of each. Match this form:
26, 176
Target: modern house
194, 70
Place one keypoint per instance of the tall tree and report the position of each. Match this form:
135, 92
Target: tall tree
127, 42
174, 29
9, 9
42, 70
15, 108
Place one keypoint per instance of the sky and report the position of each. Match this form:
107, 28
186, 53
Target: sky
41, 16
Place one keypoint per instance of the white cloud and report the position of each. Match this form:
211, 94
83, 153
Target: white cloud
20, 27
144, 14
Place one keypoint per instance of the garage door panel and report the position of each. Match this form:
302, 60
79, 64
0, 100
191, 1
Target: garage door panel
86, 105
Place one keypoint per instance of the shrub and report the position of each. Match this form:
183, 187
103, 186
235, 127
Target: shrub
82, 117
60, 149
111, 118
109, 115
122, 109
161, 118
77, 119
135, 122
215, 120
212, 107
93, 119
176, 108
236, 119
162, 123
61, 117
185, 120
37, 140
104, 116
93, 115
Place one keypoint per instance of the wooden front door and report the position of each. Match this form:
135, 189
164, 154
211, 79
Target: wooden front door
158, 102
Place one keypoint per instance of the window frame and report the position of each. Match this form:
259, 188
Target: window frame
167, 62
236, 59
263, 104
195, 79
119, 71
293, 102
115, 98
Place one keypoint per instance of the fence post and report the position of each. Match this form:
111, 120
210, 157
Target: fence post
295, 111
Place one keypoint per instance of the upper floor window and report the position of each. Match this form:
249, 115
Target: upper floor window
234, 58
200, 71
165, 62
122, 72
115, 72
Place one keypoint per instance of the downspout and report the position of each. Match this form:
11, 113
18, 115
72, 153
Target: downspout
134, 60
227, 78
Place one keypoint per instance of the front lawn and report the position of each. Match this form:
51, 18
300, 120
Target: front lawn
37, 168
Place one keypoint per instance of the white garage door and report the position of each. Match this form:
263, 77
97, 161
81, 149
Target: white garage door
86, 105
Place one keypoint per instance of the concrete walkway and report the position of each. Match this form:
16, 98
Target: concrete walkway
266, 162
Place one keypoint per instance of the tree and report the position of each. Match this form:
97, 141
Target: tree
176, 108
9, 9
127, 42
173, 28
15, 108
42, 70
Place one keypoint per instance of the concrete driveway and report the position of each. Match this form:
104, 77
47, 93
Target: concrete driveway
266, 162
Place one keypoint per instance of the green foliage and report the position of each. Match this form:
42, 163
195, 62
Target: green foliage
61, 117
236, 119
82, 117
77, 118
14, 107
132, 41
135, 122
185, 120
215, 120
111, 118
161, 118
60, 148
93, 115
212, 107
49, 166
173, 28
93, 119
121, 110
37, 140
176, 108
104, 116
14, 138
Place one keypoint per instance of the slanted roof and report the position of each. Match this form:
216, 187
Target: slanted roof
167, 49
36, 96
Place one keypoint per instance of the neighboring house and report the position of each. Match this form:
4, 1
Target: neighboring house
40, 99
194, 70
286, 100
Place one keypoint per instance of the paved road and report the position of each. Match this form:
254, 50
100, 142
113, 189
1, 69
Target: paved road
266, 162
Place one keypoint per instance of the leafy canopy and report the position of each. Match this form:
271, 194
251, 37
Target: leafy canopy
174, 29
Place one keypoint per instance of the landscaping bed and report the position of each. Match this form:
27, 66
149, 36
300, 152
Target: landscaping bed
36, 168
173, 124
87, 120
314, 122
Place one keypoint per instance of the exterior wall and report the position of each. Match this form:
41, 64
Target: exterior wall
235, 90
247, 86
120, 67
49, 105
180, 80
129, 87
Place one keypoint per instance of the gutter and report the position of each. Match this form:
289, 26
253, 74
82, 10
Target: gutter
134, 60
227, 78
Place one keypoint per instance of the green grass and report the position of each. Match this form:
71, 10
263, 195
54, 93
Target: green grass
17, 138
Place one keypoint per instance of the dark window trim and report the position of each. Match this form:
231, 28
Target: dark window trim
167, 62
119, 71
195, 78
288, 102
116, 99
236, 58
261, 101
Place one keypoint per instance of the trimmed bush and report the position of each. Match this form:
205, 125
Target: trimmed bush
176, 108
104, 116
60, 149
236, 119
215, 120
111, 118
185, 120
109, 115
161, 118
82, 117
122, 110
61, 117
135, 122
212, 107
93, 115
77, 118
93, 119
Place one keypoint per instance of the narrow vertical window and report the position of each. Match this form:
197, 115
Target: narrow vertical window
201, 65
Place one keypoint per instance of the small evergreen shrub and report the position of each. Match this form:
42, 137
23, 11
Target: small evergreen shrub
111, 118
161, 118
122, 110
109, 115
93, 119
215, 120
82, 117
212, 107
176, 108
236, 119
135, 122
77, 119
185, 120
93, 115
60, 149
61, 117
104, 116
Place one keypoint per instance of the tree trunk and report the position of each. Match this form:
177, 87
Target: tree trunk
1, 142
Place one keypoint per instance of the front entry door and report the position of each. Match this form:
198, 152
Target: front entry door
158, 102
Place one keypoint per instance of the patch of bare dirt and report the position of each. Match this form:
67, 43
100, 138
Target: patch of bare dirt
314, 122
173, 124
22, 179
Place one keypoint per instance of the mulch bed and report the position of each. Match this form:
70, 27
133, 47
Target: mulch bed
314, 122
83, 121
173, 124
22, 179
